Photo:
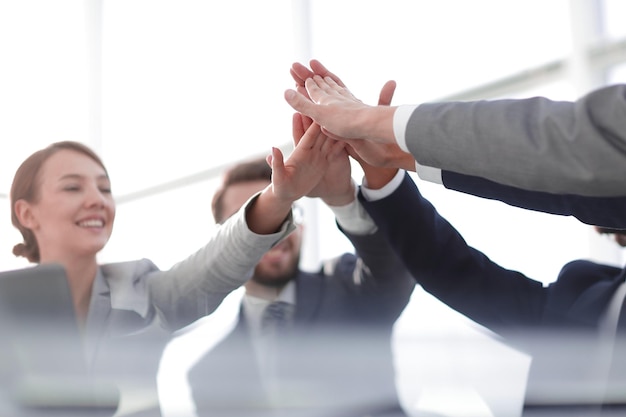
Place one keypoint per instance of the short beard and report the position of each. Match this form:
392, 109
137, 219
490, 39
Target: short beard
278, 281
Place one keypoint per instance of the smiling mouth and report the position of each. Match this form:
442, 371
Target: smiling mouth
91, 223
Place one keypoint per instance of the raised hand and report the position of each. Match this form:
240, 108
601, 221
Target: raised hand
311, 158
341, 115
335, 187
292, 179
300, 73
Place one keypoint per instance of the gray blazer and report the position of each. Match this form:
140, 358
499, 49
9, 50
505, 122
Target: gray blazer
535, 144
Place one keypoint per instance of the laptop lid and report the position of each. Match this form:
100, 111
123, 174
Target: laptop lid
41, 336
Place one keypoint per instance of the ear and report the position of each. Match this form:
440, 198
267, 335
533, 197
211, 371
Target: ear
24, 214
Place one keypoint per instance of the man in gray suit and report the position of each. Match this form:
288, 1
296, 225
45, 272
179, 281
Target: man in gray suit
567, 148
330, 352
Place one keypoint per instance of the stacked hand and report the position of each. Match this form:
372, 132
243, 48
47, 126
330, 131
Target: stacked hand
292, 179
322, 96
303, 170
335, 186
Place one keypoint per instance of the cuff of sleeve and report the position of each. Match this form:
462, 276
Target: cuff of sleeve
400, 120
354, 219
429, 174
373, 195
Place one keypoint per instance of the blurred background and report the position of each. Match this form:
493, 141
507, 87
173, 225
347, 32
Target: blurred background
170, 92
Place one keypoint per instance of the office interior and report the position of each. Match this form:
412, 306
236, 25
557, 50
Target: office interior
171, 92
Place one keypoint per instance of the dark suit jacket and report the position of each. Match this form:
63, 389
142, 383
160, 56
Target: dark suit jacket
337, 358
540, 320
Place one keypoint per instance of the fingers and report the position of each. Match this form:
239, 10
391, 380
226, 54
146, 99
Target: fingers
295, 76
336, 148
299, 125
310, 138
303, 126
300, 73
386, 93
319, 69
297, 128
300, 103
306, 122
352, 151
318, 87
276, 161
331, 134
326, 84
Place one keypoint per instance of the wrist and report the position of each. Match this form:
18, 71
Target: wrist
267, 212
342, 199
377, 124
377, 177
337, 201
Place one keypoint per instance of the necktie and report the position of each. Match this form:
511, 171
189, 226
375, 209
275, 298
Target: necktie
275, 320
277, 316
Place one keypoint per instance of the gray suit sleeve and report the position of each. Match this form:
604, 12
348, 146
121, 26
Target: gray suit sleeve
535, 144
196, 286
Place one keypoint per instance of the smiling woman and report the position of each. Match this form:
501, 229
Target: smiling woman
62, 206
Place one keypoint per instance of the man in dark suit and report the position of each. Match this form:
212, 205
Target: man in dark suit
572, 327
330, 354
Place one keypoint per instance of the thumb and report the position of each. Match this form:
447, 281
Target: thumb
277, 162
386, 93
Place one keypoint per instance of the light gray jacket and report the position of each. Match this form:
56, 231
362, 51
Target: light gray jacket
536, 144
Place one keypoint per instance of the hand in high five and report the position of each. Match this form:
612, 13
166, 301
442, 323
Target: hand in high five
335, 187
322, 96
302, 171
300, 73
292, 178
379, 161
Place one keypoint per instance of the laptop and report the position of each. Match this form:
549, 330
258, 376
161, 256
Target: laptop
42, 363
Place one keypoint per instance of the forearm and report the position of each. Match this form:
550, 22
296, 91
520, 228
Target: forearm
441, 261
196, 286
381, 271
